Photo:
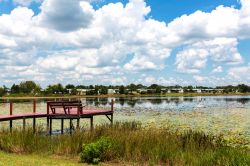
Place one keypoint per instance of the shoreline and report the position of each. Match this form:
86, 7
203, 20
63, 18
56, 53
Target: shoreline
119, 95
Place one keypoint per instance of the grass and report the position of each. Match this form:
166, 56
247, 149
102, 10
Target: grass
10, 159
133, 144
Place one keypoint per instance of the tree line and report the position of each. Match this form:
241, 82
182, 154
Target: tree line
32, 88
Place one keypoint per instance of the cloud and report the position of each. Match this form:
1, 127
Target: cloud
240, 73
71, 39
26, 2
218, 69
221, 50
65, 15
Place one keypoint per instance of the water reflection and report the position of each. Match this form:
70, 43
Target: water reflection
161, 102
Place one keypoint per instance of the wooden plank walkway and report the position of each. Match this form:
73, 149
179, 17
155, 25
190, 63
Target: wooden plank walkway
62, 110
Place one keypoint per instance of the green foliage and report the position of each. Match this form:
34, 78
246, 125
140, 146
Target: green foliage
2, 91
97, 151
29, 87
55, 89
122, 90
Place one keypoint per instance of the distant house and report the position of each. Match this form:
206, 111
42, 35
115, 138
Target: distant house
113, 91
176, 90
197, 90
69, 91
142, 91
81, 91
211, 90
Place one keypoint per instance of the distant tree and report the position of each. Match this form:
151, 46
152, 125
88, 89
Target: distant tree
29, 86
91, 87
2, 91
153, 86
81, 87
122, 89
55, 89
158, 89
70, 86
102, 89
15, 88
243, 88
132, 87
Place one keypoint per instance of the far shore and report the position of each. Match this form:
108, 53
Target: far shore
123, 95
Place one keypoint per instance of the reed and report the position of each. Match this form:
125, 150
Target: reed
132, 144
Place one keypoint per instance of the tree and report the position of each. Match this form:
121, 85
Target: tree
2, 91
243, 88
70, 86
55, 89
15, 88
122, 89
29, 86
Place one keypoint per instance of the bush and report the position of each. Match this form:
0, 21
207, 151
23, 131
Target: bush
100, 150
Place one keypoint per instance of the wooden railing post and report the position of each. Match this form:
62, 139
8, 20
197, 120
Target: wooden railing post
112, 109
34, 106
34, 119
48, 118
11, 113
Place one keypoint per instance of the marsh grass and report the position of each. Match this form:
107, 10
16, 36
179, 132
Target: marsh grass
134, 144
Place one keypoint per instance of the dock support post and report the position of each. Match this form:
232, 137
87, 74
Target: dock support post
10, 125
78, 123
50, 126
111, 119
34, 125
91, 122
70, 126
62, 125
24, 123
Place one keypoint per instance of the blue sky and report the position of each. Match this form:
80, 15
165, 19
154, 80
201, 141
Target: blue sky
185, 42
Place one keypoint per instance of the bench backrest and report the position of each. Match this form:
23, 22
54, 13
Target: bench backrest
52, 105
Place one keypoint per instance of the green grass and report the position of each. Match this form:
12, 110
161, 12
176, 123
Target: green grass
10, 159
133, 144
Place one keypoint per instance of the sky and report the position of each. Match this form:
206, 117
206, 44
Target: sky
114, 42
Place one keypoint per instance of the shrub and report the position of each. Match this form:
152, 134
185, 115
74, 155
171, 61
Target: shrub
100, 150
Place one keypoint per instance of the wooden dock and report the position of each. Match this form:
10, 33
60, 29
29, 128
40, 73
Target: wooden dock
59, 110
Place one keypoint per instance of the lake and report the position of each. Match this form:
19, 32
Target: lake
226, 115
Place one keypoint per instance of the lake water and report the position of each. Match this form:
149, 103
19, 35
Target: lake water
227, 115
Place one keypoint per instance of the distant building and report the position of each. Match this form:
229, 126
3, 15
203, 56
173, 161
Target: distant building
81, 91
113, 91
142, 91
176, 90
